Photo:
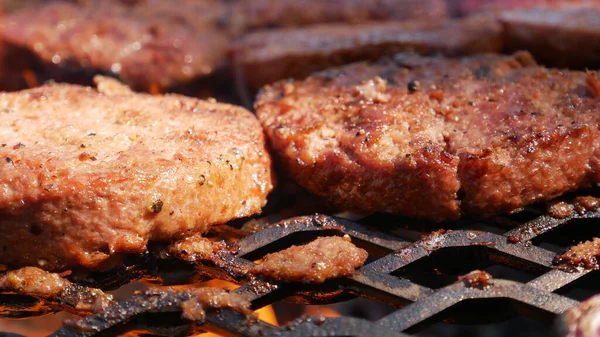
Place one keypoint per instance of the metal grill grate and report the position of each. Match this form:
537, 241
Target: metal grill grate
416, 274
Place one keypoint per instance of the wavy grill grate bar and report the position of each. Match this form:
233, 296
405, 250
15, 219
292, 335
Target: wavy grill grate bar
400, 273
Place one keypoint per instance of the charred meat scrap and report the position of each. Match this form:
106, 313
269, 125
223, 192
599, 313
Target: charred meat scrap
91, 174
315, 262
436, 137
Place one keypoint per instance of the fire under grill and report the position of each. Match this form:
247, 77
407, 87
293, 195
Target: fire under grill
413, 267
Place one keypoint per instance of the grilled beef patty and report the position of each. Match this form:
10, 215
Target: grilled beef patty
267, 56
150, 45
435, 137
87, 174
560, 37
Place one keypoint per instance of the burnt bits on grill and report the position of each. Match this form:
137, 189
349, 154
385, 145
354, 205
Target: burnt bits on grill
479, 135
476, 279
315, 262
151, 45
266, 56
209, 298
584, 255
99, 173
54, 288
248, 15
560, 37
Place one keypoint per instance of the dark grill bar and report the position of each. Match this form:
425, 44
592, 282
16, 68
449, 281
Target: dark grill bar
422, 296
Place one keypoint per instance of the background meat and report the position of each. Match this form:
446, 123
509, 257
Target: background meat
267, 56
260, 14
151, 46
88, 175
468, 7
560, 37
435, 137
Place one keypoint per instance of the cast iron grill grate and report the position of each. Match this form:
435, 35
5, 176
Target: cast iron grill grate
418, 274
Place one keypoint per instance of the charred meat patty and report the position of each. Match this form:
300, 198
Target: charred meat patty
436, 137
87, 174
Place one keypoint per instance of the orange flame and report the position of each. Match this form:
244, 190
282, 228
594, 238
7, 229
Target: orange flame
154, 88
30, 78
325, 311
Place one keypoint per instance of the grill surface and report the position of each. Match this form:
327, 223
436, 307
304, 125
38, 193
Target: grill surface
416, 273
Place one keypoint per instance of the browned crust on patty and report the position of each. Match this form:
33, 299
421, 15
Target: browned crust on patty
86, 175
436, 137
264, 57
151, 46
559, 37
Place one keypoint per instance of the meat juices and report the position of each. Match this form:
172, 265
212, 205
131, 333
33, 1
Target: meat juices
151, 46
87, 175
267, 56
437, 138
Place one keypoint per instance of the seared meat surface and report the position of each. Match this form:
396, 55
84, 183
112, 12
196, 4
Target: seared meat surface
561, 37
435, 137
150, 45
264, 57
86, 174
249, 15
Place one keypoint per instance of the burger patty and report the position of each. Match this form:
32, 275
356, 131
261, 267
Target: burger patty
561, 37
437, 138
248, 15
87, 174
150, 46
267, 56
